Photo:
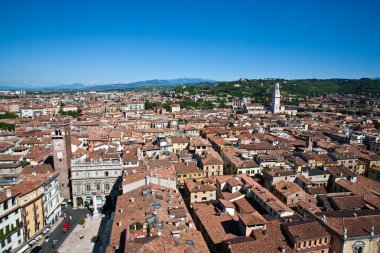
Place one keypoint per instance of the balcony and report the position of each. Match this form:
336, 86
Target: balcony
5, 234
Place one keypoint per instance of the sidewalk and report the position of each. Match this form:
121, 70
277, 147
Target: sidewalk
74, 244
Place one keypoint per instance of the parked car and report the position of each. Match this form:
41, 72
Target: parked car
32, 242
65, 227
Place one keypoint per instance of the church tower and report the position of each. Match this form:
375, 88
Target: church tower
61, 140
276, 98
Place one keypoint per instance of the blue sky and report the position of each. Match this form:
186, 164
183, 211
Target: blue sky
94, 42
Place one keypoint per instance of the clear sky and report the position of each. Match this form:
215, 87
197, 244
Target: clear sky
95, 42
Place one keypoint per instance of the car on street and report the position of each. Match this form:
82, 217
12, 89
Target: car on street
65, 227
32, 242
47, 237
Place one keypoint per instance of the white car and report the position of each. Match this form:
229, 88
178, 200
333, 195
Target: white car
45, 231
38, 238
32, 242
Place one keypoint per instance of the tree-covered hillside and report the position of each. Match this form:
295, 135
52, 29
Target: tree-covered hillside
261, 90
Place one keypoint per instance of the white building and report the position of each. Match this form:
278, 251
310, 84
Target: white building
94, 178
52, 200
175, 108
27, 112
11, 229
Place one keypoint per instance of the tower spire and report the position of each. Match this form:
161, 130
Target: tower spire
276, 99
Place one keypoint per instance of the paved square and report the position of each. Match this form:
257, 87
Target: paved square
74, 244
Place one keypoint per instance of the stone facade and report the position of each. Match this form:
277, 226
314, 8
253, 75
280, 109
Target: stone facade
94, 178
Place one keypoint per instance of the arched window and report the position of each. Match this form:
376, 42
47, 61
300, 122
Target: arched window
358, 247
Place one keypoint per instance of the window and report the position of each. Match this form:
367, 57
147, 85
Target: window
195, 196
6, 205
358, 247
107, 186
98, 186
88, 187
106, 173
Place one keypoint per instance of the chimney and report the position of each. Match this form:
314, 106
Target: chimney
121, 210
283, 249
119, 223
355, 215
8, 192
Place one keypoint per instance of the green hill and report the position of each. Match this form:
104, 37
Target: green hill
261, 89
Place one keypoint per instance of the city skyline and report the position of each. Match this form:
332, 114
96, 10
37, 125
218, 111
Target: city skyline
44, 43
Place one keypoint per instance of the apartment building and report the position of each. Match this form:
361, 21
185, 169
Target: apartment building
11, 225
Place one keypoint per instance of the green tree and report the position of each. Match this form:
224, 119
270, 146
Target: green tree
6, 126
94, 239
8, 115
82, 221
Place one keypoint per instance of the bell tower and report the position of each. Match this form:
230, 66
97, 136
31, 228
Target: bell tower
61, 140
276, 98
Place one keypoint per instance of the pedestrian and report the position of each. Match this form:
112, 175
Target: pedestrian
70, 217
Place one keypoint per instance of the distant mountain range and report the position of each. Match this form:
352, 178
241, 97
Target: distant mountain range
113, 86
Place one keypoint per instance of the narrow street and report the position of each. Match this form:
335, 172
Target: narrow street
58, 237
